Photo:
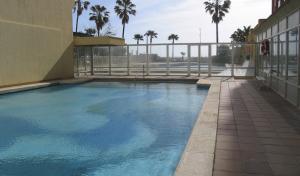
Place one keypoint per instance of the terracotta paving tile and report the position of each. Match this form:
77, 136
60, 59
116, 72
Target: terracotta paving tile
256, 134
282, 159
278, 149
245, 127
252, 147
271, 141
226, 138
228, 165
227, 132
227, 127
257, 167
227, 145
228, 154
265, 129
285, 170
247, 140
226, 122
267, 134
224, 173
246, 133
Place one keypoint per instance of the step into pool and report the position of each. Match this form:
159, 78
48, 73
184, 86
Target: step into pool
97, 129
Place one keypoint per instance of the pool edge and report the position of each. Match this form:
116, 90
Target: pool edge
32, 86
198, 156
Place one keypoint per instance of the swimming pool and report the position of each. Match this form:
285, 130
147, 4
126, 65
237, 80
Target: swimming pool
97, 129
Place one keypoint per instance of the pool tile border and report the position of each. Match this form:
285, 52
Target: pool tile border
198, 156
26, 87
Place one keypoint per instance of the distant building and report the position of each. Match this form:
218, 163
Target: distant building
280, 65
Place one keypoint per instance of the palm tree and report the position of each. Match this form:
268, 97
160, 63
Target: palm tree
151, 34
123, 9
90, 31
217, 8
182, 54
79, 7
173, 37
138, 38
100, 16
241, 35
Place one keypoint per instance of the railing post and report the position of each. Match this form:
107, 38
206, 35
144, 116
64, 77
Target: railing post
77, 60
168, 61
209, 60
85, 56
109, 60
92, 61
147, 62
298, 84
199, 60
189, 59
128, 60
232, 60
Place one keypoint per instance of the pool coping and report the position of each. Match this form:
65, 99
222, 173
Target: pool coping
32, 86
198, 156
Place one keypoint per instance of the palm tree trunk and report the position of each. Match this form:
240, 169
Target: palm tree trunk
123, 33
137, 48
150, 45
217, 32
173, 50
77, 23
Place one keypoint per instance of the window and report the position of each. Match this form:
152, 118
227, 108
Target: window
293, 20
269, 32
282, 25
293, 53
275, 29
282, 55
275, 55
265, 35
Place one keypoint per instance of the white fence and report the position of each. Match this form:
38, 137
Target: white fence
190, 59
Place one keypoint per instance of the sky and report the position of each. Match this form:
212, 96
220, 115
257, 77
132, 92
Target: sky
182, 17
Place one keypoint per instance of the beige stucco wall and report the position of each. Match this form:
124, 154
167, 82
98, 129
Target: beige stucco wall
35, 41
88, 41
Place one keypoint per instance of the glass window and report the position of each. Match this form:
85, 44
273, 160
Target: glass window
293, 46
282, 55
275, 29
269, 32
293, 20
275, 55
260, 37
265, 35
282, 25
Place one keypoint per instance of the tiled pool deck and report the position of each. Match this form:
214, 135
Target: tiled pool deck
241, 130
258, 133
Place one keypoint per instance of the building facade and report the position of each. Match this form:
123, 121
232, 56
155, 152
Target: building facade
280, 65
36, 41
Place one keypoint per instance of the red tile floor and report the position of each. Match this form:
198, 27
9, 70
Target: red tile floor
258, 133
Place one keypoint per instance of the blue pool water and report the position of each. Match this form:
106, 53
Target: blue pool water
97, 129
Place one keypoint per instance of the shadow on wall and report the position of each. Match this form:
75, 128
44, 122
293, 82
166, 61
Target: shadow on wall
64, 67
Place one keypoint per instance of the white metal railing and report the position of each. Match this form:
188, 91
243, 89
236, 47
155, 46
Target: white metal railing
189, 59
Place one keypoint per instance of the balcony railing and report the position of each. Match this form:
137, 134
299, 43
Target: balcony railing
181, 59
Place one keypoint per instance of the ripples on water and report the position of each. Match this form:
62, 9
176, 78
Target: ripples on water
97, 129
